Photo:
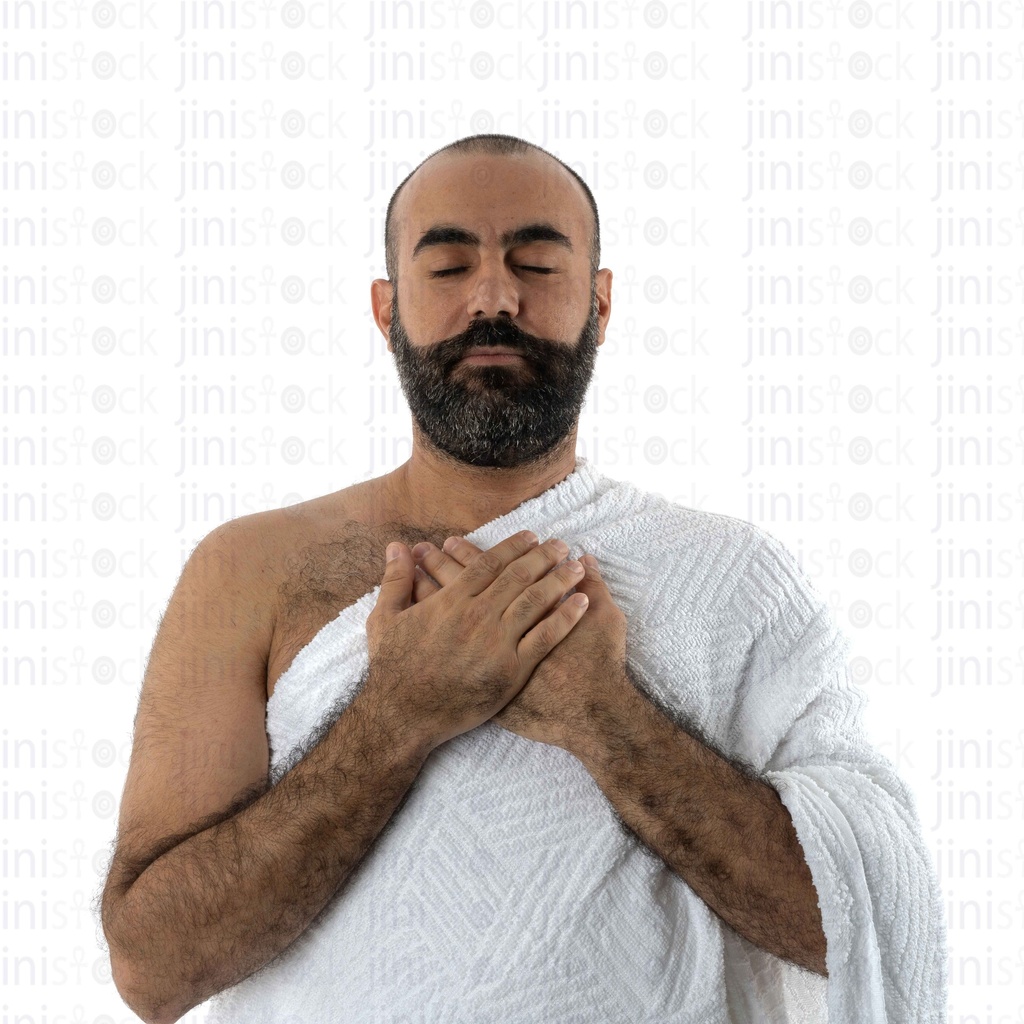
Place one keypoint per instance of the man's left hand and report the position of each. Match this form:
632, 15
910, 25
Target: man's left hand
576, 679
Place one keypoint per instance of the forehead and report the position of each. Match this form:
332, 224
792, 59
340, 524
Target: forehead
489, 195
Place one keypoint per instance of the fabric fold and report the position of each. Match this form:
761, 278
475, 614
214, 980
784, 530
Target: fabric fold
861, 837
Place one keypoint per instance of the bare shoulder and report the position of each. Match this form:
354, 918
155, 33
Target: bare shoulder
307, 562
274, 537
312, 559
328, 548
316, 548
330, 551
320, 556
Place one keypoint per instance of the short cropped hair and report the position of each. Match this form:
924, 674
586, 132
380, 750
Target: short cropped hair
500, 145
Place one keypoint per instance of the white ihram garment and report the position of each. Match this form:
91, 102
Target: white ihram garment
504, 890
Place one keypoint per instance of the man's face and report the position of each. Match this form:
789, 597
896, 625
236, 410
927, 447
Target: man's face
505, 414
467, 283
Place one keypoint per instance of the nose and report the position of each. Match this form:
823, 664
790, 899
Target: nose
494, 290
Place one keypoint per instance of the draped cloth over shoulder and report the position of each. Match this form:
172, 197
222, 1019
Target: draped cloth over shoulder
504, 888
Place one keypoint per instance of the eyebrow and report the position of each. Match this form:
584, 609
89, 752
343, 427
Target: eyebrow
451, 234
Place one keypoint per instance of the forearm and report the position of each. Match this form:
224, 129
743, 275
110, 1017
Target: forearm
727, 835
221, 904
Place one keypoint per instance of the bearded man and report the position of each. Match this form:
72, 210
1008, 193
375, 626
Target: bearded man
571, 753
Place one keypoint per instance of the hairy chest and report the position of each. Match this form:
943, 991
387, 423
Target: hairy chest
322, 571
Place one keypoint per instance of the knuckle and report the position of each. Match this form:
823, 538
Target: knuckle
547, 634
489, 562
519, 574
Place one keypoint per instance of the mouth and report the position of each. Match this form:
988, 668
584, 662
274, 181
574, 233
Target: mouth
491, 356
505, 357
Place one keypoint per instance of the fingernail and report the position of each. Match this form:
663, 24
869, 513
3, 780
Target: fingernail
392, 552
420, 550
560, 546
590, 561
450, 543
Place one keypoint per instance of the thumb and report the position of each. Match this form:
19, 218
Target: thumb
399, 577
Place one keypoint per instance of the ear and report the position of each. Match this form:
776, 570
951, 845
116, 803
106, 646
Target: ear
381, 293
603, 291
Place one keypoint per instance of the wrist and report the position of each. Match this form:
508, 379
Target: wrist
372, 707
612, 710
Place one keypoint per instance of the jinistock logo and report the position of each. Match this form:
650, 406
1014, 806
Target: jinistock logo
810, 212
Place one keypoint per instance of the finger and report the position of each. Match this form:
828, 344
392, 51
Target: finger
423, 586
483, 569
396, 586
538, 643
525, 571
537, 600
460, 549
443, 567
592, 584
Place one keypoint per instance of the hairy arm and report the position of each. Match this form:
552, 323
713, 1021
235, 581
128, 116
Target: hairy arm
215, 871
725, 832
203, 912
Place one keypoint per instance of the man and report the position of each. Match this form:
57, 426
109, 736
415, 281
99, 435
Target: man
508, 785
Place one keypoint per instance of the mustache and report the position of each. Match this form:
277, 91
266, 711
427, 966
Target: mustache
492, 332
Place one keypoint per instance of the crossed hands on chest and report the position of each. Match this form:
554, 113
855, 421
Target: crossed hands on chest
461, 636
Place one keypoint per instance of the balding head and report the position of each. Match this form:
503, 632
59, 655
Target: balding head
548, 169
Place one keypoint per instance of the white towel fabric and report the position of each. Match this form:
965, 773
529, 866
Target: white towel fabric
504, 889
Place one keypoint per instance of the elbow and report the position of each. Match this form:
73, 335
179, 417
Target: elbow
140, 998
817, 956
137, 986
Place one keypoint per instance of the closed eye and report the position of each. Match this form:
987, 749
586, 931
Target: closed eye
458, 270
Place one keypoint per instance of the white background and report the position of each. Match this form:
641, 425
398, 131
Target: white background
850, 134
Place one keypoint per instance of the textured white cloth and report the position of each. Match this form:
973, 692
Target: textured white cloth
504, 889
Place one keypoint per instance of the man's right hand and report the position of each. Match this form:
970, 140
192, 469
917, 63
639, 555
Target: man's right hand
446, 665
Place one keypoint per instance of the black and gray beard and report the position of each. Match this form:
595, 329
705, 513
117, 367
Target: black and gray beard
502, 415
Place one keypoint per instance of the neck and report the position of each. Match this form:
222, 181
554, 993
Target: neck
431, 487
